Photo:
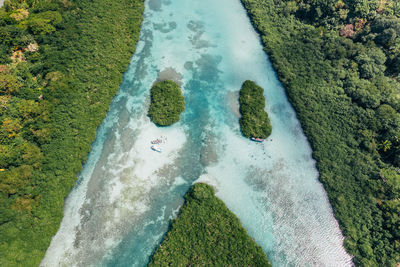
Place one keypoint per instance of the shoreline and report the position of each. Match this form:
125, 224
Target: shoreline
92, 84
269, 51
343, 179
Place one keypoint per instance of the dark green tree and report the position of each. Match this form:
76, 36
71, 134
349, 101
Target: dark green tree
167, 103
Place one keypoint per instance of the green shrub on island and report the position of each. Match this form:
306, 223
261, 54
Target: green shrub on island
167, 103
254, 121
207, 233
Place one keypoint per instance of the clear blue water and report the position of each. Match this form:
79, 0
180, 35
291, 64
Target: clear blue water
126, 194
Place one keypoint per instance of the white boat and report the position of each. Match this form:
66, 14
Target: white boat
156, 148
255, 139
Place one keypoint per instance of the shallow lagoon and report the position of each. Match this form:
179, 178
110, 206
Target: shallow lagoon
119, 210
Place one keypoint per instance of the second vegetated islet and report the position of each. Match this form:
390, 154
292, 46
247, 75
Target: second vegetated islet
167, 103
254, 121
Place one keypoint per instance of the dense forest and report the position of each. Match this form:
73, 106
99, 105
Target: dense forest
207, 233
340, 62
254, 121
167, 103
61, 63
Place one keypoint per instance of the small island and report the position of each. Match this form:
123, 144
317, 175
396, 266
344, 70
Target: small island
254, 122
167, 103
207, 233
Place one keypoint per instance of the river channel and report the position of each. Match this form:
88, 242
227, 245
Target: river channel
126, 194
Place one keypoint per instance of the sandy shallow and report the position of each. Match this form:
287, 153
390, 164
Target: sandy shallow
102, 209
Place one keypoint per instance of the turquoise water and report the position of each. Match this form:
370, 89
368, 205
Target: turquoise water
119, 210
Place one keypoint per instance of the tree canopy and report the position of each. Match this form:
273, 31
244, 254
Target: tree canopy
167, 103
254, 121
207, 233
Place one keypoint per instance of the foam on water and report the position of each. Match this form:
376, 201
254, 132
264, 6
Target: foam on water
126, 194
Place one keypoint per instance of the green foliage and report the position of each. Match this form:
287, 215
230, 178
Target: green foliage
254, 121
40, 26
43, 23
392, 178
372, 63
167, 103
391, 209
207, 233
10, 82
348, 105
67, 66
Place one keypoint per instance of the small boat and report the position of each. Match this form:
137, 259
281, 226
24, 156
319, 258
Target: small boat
157, 141
255, 139
156, 148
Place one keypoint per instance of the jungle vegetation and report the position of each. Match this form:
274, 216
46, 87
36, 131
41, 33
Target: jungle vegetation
254, 121
61, 63
167, 103
340, 62
207, 233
